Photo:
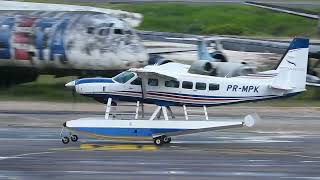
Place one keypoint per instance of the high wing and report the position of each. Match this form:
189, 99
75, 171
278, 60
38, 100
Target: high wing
134, 19
168, 71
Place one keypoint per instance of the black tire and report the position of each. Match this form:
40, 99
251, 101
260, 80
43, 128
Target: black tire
158, 141
166, 139
65, 140
169, 138
74, 138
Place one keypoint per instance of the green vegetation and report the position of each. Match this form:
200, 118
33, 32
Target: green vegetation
221, 19
46, 88
215, 19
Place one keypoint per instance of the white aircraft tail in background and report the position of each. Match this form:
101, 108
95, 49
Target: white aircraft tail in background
292, 68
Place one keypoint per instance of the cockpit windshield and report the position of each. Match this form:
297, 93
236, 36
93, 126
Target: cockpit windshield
123, 77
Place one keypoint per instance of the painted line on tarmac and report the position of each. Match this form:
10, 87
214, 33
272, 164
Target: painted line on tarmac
125, 147
26, 154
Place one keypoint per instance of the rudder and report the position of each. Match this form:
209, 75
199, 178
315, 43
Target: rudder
292, 68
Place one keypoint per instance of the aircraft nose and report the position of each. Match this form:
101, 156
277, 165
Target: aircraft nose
65, 124
71, 84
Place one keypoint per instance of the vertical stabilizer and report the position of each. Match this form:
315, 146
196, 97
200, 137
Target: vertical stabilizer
292, 68
203, 53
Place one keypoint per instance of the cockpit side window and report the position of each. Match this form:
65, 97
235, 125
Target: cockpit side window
118, 31
137, 81
123, 77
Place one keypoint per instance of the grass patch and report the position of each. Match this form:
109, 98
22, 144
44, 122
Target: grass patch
214, 19
45, 88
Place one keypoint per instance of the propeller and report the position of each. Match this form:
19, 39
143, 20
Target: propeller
72, 85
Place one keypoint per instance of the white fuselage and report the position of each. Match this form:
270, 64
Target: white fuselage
191, 89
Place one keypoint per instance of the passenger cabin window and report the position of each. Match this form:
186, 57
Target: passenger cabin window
137, 81
201, 86
153, 82
187, 85
214, 87
118, 31
172, 83
123, 77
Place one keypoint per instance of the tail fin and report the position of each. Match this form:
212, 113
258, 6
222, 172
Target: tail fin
292, 68
203, 53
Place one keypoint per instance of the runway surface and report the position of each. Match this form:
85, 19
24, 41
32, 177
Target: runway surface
277, 148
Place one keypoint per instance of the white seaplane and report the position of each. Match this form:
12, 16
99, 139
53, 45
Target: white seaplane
174, 84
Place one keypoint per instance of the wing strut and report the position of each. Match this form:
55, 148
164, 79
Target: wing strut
143, 93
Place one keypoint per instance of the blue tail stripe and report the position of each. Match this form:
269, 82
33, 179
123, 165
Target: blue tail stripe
298, 43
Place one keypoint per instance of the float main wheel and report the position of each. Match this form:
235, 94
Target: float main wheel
65, 140
158, 141
74, 138
166, 139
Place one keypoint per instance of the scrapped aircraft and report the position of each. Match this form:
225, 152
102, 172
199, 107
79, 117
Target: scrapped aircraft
172, 84
39, 38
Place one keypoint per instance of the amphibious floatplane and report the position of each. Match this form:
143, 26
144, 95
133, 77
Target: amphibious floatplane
174, 84
112, 126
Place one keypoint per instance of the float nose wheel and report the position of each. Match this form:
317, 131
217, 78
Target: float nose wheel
161, 140
65, 140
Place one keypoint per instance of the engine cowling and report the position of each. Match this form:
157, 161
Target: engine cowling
203, 68
219, 56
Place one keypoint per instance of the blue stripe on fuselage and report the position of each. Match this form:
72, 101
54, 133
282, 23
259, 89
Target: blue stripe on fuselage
94, 80
102, 98
139, 132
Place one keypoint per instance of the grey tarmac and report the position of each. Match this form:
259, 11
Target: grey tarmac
284, 145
